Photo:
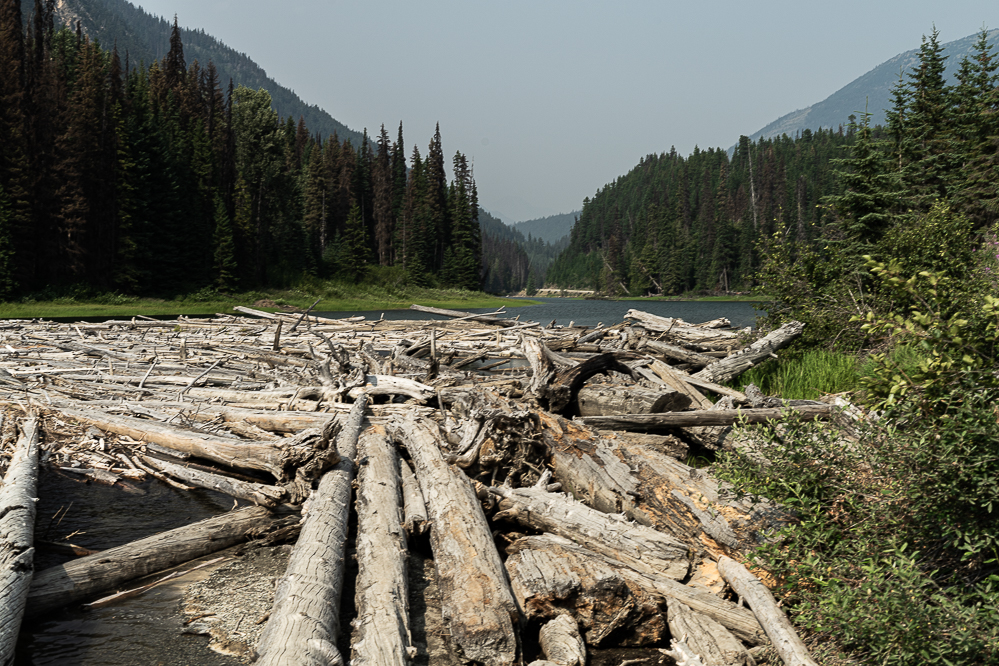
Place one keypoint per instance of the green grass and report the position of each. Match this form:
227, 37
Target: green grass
703, 299
818, 372
336, 297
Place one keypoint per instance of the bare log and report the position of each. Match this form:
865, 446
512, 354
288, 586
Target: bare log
624, 476
785, 639
74, 581
17, 529
381, 630
705, 417
601, 400
679, 353
735, 364
304, 621
258, 493
485, 319
566, 384
561, 642
715, 645
681, 330
559, 594
476, 600
279, 457
636, 546
416, 520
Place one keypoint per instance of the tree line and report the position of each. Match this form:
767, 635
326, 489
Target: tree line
153, 179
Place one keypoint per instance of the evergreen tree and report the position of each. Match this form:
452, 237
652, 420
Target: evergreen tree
225, 248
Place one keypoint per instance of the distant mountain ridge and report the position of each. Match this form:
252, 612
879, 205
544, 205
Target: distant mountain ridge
550, 229
146, 38
871, 91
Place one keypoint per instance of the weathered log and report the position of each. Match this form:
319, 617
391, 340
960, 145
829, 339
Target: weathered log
17, 529
483, 318
305, 619
74, 581
549, 578
782, 635
669, 445
681, 330
636, 546
389, 385
677, 380
476, 600
279, 457
623, 476
603, 400
730, 367
678, 353
258, 493
561, 642
415, 508
381, 630
705, 417
557, 594
566, 384
711, 641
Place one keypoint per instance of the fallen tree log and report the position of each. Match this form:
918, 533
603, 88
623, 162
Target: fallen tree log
279, 457
705, 417
476, 601
17, 533
678, 353
567, 557
733, 365
483, 318
381, 630
74, 581
561, 642
305, 619
258, 493
636, 546
415, 508
624, 476
601, 400
715, 645
681, 330
782, 635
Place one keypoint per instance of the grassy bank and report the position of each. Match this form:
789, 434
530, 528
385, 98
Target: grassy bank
336, 297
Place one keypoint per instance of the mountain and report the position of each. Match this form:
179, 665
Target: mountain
550, 229
146, 38
871, 91
511, 262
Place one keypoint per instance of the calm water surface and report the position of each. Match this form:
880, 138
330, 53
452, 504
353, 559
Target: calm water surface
590, 313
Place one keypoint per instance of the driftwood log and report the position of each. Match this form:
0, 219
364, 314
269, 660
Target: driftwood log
305, 620
705, 417
258, 493
561, 642
76, 580
713, 643
17, 531
601, 400
476, 600
381, 630
782, 635
735, 364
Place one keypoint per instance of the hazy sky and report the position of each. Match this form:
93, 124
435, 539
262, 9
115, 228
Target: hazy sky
554, 99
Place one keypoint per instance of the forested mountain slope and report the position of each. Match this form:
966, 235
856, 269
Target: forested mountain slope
676, 224
146, 38
870, 92
550, 229
511, 262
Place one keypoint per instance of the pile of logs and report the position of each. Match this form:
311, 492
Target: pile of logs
545, 463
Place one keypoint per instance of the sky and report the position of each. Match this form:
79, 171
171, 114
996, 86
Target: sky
554, 99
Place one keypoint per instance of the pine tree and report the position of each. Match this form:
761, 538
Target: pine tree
384, 221
7, 280
225, 249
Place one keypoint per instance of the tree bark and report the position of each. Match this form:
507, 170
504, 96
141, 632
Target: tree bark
17, 529
601, 400
416, 520
636, 546
258, 493
74, 581
785, 639
305, 618
561, 642
381, 630
476, 600
711, 641
735, 364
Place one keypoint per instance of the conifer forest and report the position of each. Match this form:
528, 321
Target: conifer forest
159, 179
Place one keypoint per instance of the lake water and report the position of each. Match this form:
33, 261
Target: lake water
592, 312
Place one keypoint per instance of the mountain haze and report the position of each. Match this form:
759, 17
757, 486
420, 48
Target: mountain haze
146, 38
871, 91
550, 229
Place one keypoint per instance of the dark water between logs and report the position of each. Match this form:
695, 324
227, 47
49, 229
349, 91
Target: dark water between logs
147, 629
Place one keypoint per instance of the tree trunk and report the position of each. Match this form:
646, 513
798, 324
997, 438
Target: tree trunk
305, 619
713, 642
785, 640
601, 400
476, 600
74, 581
735, 364
704, 417
416, 520
258, 493
17, 529
381, 631
636, 546
561, 642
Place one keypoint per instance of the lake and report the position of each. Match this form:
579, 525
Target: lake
593, 312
